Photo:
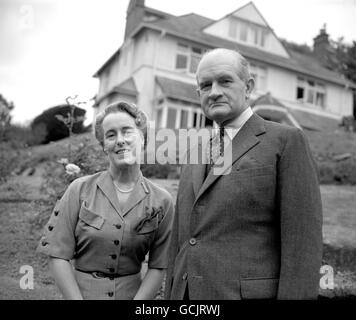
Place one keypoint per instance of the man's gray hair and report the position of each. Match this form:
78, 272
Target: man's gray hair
242, 65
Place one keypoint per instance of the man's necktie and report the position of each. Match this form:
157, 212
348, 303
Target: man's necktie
216, 148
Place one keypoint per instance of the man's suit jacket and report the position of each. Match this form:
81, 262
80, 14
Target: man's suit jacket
255, 232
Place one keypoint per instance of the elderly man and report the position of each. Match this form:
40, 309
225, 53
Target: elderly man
254, 233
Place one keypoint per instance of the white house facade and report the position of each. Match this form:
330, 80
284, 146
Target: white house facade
155, 68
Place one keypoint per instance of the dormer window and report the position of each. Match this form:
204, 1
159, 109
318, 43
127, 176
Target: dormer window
249, 32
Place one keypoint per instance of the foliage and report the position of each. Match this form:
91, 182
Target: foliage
59, 122
9, 158
5, 117
341, 172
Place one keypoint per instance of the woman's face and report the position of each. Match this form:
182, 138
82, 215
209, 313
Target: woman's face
123, 141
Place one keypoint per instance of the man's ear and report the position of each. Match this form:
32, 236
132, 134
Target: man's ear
250, 85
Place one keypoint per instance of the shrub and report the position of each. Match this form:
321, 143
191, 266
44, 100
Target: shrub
52, 121
341, 172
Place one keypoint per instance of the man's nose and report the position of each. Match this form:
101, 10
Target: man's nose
215, 91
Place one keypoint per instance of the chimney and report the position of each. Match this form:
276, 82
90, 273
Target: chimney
134, 15
322, 45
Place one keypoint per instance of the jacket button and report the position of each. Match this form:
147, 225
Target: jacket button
56, 213
50, 228
185, 276
118, 226
116, 242
44, 242
193, 241
114, 256
110, 294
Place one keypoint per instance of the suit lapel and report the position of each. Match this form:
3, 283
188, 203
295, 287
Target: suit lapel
245, 140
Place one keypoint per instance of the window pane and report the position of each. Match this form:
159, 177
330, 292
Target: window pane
300, 93
184, 119
171, 118
232, 28
320, 99
263, 38
243, 31
194, 60
159, 118
254, 32
197, 50
182, 47
181, 61
310, 97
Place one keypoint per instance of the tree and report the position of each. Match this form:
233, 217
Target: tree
59, 122
5, 117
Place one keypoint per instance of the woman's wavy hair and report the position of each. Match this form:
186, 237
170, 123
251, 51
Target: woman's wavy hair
121, 106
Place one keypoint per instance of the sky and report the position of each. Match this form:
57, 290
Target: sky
50, 49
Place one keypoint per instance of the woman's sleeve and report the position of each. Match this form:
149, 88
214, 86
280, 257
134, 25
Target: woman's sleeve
158, 254
59, 234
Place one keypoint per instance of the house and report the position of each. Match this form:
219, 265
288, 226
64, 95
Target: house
155, 67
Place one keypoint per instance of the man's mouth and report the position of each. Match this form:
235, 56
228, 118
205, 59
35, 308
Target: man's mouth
217, 104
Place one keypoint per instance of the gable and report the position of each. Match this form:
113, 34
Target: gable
248, 27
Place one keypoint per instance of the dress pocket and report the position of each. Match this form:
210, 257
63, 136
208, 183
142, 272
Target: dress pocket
147, 225
90, 218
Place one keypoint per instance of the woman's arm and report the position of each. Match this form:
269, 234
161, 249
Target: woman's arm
62, 272
150, 285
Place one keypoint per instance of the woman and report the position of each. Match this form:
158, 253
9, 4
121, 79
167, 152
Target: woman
106, 223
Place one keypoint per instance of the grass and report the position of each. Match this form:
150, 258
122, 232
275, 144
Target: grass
24, 208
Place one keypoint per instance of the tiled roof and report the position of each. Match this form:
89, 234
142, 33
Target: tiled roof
191, 27
128, 87
307, 120
178, 90
313, 121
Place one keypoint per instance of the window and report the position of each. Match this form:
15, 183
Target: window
159, 115
243, 31
171, 118
233, 28
175, 117
248, 32
259, 73
311, 92
187, 58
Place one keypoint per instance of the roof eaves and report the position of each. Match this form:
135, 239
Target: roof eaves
97, 73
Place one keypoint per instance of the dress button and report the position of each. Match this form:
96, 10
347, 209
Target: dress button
193, 241
116, 242
185, 276
114, 256
118, 226
50, 228
110, 294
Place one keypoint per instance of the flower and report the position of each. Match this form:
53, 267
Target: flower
71, 169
